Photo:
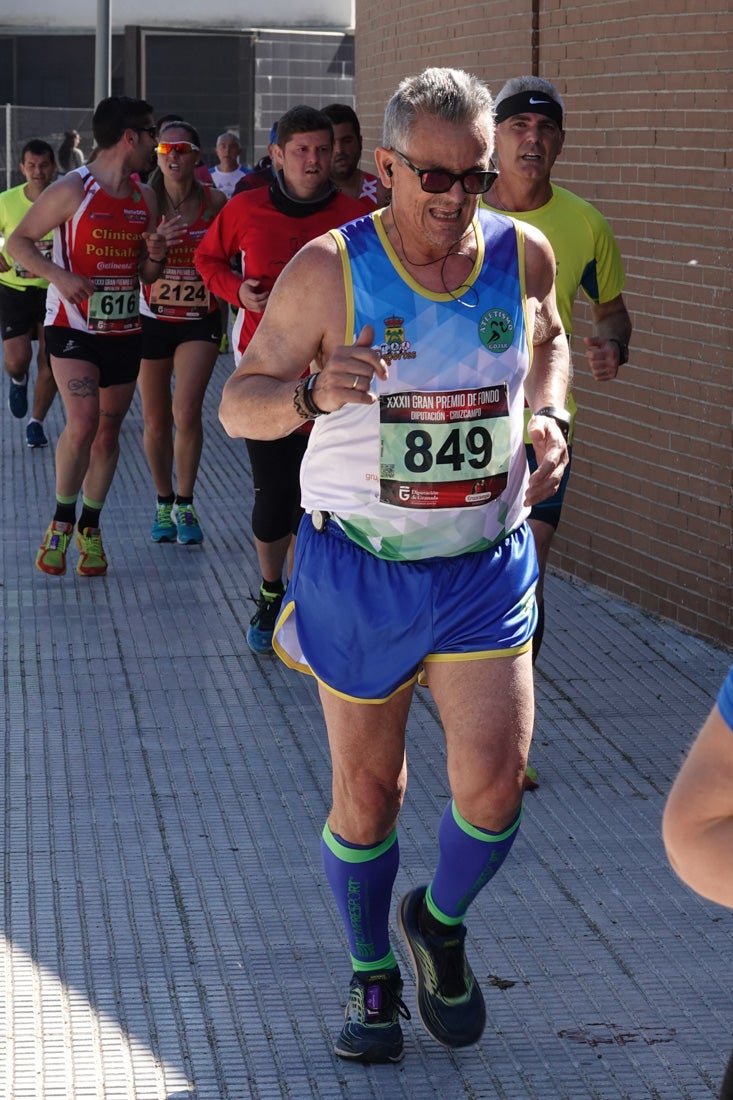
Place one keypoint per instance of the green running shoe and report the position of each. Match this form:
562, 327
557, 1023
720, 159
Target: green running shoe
164, 527
51, 556
92, 561
189, 528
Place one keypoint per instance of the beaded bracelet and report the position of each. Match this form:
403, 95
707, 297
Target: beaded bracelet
303, 401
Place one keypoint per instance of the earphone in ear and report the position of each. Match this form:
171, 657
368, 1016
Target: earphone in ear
388, 170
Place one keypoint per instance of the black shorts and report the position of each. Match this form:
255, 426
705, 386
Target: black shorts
161, 338
117, 358
21, 311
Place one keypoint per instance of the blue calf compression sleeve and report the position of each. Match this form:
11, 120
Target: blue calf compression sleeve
468, 859
361, 880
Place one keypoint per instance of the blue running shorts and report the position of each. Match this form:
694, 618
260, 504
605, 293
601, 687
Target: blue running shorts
363, 626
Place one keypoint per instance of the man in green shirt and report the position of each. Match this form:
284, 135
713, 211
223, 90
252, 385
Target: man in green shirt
529, 138
23, 297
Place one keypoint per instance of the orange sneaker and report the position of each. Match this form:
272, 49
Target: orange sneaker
92, 562
51, 556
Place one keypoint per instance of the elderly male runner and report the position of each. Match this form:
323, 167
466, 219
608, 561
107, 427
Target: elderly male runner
427, 322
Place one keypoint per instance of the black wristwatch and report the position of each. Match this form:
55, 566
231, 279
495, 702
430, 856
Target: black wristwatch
623, 350
562, 418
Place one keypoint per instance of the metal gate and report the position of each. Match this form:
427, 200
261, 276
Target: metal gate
20, 124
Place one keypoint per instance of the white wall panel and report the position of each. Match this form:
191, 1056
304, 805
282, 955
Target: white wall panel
82, 14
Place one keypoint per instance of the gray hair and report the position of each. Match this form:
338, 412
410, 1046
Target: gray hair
529, 84
450, 95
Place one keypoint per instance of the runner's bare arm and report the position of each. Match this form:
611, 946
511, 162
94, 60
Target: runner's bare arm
611, 331
698, 817
4, 264
547, 381
304, 322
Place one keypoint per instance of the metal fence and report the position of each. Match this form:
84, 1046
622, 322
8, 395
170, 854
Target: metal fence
19, 124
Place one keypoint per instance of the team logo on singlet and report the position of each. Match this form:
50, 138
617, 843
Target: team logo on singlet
395, 344
496, 330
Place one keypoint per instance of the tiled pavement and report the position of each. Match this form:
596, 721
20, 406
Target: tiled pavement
167, 930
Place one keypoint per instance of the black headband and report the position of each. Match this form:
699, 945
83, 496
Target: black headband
530, 102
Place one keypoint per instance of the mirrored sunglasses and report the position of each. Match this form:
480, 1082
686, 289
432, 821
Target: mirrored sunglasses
179, 147
436, 181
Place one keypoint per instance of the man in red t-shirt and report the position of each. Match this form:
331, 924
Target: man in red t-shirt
267, 226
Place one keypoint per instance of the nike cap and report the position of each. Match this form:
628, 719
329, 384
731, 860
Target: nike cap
529, 102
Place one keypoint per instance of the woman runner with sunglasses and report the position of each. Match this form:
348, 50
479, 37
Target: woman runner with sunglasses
181, 334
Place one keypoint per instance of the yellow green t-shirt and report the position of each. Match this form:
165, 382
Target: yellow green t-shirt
14, 205
585, 248
586, 256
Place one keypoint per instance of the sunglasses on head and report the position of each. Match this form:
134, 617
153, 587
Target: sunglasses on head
179, 147
436, 181
149, 130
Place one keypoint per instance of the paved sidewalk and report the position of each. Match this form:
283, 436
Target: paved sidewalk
168, 933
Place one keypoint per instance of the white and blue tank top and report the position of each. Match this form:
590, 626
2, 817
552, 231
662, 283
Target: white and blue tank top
436, 467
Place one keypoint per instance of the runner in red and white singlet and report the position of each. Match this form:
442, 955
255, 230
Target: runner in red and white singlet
106, 238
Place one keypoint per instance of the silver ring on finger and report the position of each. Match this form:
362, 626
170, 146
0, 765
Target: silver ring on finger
355, 383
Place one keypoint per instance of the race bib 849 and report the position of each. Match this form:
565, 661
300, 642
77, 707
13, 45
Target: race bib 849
444, 449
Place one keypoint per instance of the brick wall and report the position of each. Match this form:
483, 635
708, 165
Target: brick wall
648, 512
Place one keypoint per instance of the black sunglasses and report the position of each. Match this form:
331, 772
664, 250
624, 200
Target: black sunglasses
151, 131
436, 181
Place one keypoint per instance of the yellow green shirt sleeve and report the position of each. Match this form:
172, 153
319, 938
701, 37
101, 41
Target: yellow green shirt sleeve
13, 207
586, 253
